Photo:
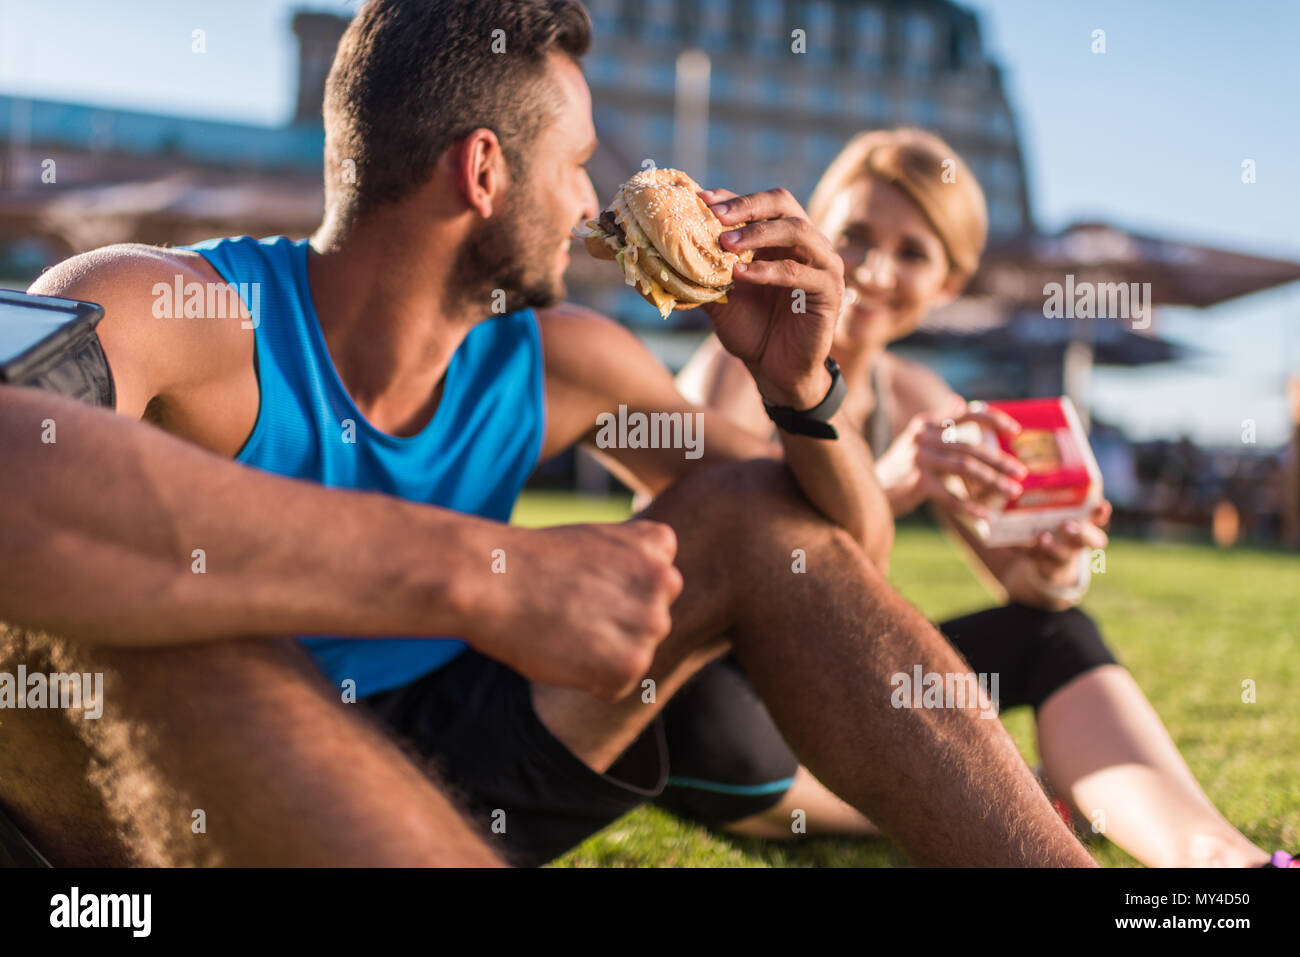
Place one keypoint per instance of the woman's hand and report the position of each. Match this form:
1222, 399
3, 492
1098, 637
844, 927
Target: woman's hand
1051, 571
1056, 552
913, 468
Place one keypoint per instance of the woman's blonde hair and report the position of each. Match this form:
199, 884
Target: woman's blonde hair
929, 172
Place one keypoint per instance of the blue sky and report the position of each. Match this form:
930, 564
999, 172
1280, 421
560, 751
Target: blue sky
1149, 135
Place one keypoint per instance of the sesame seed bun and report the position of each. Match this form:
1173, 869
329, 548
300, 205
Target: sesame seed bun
666, 240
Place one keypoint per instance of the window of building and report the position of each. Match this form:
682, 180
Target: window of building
660, 20
722, 84
604, 16
601, 71
925, 111
1006, 174
823, 148
825, 95
849, 97
805, 90
631, 20
820, 24
717, 24
663, 75
967, 49
959, 117
998, 123
771, 145
769, 27
876, 107
773, 88
611, 125
659, 139
919, 43
1004, 216
867, 39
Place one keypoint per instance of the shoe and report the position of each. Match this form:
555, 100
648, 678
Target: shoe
1073, 821
1282, 859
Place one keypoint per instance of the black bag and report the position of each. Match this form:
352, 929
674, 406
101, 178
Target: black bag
50, 343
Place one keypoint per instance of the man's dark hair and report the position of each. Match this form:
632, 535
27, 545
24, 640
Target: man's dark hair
411, 77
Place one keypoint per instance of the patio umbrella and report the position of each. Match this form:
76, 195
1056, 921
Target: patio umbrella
1180, 274
1019, 272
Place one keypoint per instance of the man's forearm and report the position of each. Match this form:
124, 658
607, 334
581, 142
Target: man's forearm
839, 478
117, 533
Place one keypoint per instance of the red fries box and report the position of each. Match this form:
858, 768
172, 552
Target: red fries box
1063, 483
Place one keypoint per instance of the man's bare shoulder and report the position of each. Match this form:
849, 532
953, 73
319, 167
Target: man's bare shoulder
192, 375
561, 323
583, 344
124, 270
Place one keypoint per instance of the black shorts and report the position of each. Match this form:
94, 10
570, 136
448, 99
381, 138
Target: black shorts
529, 795
533, 799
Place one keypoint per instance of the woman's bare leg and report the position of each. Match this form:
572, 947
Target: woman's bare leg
824, 814
1105, 750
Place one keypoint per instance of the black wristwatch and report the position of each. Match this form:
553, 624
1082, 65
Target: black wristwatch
816, 421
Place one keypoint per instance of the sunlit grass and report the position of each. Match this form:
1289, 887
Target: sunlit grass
1192, 623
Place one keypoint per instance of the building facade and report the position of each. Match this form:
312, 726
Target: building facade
751, 94
790, 81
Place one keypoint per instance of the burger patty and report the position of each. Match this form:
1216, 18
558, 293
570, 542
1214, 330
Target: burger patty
611, 226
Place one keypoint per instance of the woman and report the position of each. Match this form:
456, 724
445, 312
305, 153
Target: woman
910, 222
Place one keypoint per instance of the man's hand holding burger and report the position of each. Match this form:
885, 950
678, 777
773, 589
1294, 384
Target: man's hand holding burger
771, 284
779, 317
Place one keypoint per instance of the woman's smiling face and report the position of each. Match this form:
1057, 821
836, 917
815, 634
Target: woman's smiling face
895, 266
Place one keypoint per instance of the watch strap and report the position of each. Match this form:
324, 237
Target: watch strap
814, 422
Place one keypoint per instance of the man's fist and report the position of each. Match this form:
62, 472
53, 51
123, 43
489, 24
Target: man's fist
583, 606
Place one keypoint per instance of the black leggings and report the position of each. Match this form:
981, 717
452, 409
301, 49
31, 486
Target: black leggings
727, 760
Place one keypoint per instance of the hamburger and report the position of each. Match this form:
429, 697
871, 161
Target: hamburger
665, 239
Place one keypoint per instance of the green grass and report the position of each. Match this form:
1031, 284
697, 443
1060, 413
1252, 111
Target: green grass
1190, 622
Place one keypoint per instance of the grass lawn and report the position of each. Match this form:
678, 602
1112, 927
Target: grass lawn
1191, 622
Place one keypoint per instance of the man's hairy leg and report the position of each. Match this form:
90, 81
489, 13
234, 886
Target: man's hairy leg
821, 647
247, 732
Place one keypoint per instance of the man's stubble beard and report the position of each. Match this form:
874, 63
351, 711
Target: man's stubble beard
505, 254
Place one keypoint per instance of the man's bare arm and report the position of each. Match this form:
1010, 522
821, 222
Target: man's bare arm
117, 533
715, 378
594, 365
192, 375
779, 319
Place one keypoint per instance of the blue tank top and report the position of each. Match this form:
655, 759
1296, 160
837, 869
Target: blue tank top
473, 456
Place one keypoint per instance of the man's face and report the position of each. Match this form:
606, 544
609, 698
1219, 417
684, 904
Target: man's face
524, 249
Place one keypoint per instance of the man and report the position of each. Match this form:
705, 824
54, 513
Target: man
399, 353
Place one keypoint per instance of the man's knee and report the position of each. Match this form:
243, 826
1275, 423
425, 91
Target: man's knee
745, 528
742, 504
